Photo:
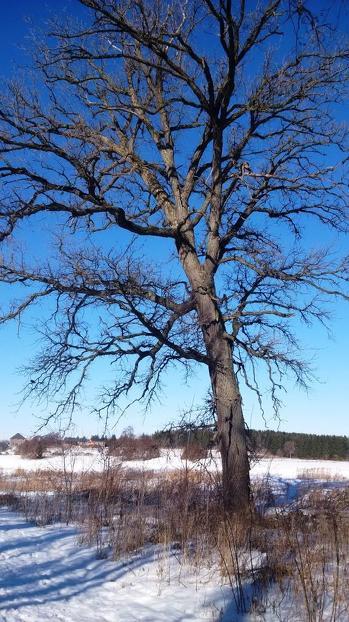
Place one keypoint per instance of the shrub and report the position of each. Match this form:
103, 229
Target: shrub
148, 448
133, 448
33, 448
194, 451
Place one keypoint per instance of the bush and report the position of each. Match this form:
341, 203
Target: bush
129, 447
194, 451
33, 448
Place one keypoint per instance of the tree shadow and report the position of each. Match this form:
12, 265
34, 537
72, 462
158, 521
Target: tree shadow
71, 571
68, 571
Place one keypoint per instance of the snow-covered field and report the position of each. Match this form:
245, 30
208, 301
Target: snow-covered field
81, 460
45, 575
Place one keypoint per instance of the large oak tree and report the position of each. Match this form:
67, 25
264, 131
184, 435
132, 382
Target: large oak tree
214, 126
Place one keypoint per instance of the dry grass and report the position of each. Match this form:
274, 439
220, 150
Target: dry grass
320, 474
297, 554
307, 551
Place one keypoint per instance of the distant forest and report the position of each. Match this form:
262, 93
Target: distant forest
267, 442
292, 444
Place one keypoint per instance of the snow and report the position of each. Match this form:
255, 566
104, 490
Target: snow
77, 460
82, 460
46, 575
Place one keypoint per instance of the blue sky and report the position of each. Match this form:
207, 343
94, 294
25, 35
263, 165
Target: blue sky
324, 409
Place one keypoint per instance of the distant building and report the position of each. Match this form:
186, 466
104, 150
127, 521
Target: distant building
16, 440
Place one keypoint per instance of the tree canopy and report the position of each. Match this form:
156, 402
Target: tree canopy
212, 129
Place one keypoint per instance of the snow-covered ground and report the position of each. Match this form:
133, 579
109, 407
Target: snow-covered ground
45, 575
76, 459
81, 460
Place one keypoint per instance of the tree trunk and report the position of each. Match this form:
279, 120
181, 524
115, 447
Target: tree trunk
230, 421
231, 432
232, 439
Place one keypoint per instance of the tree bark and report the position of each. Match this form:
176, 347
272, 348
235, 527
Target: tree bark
231, 431
230, 422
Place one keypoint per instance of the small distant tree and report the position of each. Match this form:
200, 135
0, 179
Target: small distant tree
4, 445
289, 448
200, 139
128, 432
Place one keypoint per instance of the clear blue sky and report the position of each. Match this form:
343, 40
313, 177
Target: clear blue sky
323, 410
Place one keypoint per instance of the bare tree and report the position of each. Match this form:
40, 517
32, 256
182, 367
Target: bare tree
209, 128
289, 448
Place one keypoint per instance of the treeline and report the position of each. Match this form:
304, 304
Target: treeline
183, 436
265, 442
195, 441
298, 445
